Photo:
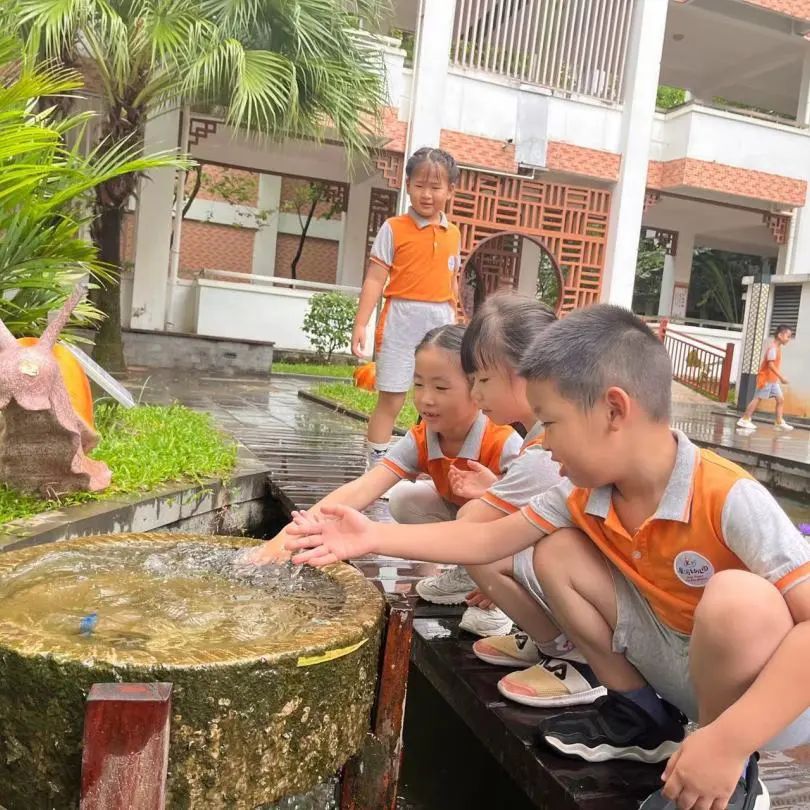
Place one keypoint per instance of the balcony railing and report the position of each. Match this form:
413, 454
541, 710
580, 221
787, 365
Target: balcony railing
576, 46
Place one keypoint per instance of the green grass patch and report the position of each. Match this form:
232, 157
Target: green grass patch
145, 447
314, 370
364, 401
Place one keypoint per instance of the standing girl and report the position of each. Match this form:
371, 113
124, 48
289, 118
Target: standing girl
413, 264
452, 433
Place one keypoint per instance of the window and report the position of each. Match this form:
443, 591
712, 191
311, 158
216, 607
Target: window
786, 300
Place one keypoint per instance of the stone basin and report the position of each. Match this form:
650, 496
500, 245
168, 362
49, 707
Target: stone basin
273, 669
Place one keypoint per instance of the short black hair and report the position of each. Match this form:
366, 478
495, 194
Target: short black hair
596, 348
437, 157
447, 337
501, 330
783, 327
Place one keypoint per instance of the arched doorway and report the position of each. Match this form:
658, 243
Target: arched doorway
510, 261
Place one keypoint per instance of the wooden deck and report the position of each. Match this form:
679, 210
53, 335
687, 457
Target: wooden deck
310, 451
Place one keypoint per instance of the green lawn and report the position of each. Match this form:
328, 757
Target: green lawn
363, 401
144, 447
314, 370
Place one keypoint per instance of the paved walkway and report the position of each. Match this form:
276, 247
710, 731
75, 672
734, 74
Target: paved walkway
311, 450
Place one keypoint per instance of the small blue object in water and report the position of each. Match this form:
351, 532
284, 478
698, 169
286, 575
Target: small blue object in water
88, 624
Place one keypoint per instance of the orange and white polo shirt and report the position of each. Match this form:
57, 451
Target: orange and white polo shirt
531, 472
494, 446
713, 516
421, 257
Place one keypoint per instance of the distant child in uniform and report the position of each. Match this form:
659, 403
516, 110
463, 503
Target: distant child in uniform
675, 573
768, 379
452, 433
413, 265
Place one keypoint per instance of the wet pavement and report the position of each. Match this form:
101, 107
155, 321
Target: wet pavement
311, 451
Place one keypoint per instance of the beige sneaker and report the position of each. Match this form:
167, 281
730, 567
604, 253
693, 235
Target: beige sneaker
552, 682
783, 426
516, 650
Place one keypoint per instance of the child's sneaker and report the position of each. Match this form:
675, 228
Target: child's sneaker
747, 424
515, 651
449, 588
614, 728
750, 794
485, 623
552, 682
783, 426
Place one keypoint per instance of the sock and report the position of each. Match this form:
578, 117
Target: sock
647, 699
560, 647
375, 451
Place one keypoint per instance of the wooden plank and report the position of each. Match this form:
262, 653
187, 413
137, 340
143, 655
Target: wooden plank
125, 753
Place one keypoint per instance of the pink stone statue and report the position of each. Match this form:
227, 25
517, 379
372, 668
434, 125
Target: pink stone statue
43, 441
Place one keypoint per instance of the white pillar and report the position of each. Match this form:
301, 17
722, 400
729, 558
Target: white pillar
153, 228
530, 255
355, 235
794, 257
264, 242
642, 66
667, 287
431, 57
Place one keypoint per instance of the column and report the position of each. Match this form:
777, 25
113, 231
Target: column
530, 255
667, 287
642, 65
264, 242
153, 229
795, 256
755, 322
431, 57
355, 235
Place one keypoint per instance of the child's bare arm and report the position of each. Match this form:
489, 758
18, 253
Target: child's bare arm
358, 494
349, 535
370, 294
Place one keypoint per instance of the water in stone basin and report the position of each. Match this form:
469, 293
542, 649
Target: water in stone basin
160, 600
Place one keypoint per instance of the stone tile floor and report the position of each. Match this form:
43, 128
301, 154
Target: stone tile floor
311, 450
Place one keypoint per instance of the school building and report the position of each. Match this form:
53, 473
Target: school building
550, 108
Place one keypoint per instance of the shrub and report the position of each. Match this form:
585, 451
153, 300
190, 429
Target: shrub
328, 322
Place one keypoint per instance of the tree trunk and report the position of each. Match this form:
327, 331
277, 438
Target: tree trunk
109, 348
304, 230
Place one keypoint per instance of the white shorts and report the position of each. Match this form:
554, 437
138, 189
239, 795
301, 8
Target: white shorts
419, 502
401, 328
769, 391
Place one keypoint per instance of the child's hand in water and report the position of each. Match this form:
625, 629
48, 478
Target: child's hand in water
345, 534
472, 483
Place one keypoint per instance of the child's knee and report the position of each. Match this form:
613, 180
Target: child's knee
739, 602
400, 501
555, 552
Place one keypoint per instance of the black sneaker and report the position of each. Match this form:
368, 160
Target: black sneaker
614, 727
750, 794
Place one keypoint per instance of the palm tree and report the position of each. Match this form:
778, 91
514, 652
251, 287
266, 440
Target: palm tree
46, 191
284, 68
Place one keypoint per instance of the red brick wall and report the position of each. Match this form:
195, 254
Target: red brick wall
318, 261
472, 150
245, 185
565, 157
708, 176
205, 245
792, 8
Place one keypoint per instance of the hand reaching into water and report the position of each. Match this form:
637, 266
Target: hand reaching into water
472, 483
343, 535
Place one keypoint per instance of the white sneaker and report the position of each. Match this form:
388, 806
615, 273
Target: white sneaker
485, 623
783, 426
449, 588
746, 423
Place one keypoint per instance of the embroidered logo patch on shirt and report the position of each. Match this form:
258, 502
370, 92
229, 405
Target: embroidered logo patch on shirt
693, 569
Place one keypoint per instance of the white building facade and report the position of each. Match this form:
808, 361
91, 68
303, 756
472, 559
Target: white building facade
550, 108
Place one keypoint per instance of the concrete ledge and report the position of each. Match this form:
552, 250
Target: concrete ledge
337, 407
237, 505
226, 356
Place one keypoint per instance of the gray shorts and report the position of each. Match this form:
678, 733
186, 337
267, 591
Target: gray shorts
661, 655
769, 391
404, 326
523, 570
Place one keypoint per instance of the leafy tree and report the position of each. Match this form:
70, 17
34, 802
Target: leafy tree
46, 192
285, 69
329, 321
649, 270
715, 287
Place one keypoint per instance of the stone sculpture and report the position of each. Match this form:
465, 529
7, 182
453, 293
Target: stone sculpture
43, 441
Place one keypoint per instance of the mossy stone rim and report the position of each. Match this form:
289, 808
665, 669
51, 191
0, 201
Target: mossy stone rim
356, 621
